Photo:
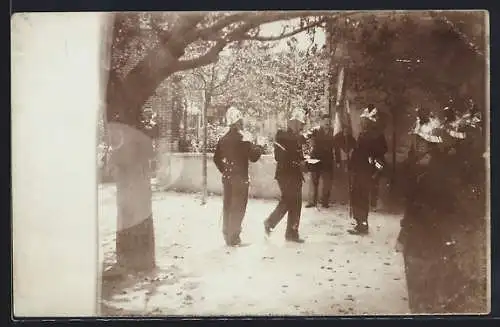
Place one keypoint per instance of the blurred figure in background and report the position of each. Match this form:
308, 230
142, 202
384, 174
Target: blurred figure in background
424, 239
326, 151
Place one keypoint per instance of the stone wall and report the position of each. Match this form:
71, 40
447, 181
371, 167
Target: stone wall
182, 172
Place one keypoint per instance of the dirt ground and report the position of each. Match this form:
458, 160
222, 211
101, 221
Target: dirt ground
333, 273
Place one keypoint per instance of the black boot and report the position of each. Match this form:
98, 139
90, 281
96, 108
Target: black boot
235, 241
293, 237
310, 205
359, 229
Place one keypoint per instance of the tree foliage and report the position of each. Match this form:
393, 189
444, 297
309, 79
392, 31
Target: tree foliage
149, 47
418, 48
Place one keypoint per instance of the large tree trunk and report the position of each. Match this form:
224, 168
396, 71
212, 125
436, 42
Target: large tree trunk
135, 240
205, 144
131, 151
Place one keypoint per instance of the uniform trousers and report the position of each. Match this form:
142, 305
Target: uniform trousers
290, 203
326, 173
234, 207
361, 188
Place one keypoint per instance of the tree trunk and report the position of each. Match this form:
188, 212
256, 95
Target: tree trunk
135, 240
205, 144
394, 145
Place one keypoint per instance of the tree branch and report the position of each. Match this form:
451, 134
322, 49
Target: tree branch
208, 58
230, 73
283, 35
209, 32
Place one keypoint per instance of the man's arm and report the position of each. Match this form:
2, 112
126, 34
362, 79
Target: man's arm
218, 158
280, 152
383, 146
337, 155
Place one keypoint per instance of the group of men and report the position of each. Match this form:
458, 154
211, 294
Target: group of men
444, 181
236, 149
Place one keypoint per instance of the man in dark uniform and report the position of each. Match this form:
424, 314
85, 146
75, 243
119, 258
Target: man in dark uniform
289, 169
363, 165
232, 155
326, 151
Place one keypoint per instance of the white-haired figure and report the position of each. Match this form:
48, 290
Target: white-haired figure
423, 237
233, 153
289, 175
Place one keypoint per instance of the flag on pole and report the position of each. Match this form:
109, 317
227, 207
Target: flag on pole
342, 122
340, 85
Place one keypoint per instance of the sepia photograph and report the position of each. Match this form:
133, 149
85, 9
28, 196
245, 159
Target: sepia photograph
273, 163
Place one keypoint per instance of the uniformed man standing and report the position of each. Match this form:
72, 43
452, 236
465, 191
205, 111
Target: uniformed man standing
380, 149
326, 151
363, 166
289, 174
232, 155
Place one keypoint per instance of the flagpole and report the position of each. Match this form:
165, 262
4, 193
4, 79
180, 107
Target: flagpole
348, 112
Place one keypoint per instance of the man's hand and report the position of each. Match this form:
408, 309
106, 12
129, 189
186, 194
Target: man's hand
425, 160
261, 141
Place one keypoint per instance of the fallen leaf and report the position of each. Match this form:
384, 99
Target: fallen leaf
349, 297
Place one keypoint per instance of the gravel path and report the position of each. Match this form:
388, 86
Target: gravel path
333, 273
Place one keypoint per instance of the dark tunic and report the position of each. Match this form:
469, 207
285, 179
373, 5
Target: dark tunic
232, 156
288, 158
324, 148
